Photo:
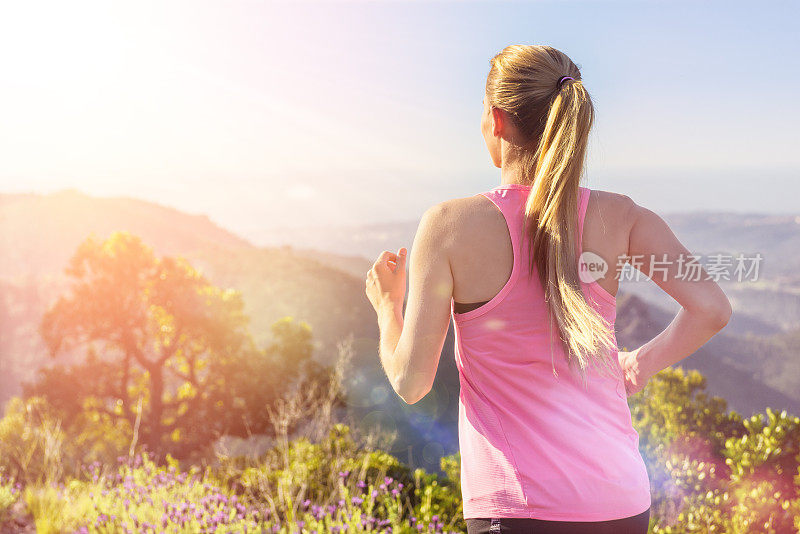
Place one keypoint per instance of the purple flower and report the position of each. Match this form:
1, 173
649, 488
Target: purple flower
357, 500
361, 484
344, 474
388, 480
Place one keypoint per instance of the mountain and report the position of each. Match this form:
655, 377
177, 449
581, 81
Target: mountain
734, 365
39, 233
764, 306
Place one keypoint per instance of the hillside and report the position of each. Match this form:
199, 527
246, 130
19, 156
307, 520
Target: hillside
39, 233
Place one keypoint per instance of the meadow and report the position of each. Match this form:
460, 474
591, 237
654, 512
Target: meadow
710, 472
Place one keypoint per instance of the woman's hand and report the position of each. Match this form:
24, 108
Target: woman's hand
386, 280
636, 376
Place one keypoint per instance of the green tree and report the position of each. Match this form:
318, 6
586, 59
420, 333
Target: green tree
167, 353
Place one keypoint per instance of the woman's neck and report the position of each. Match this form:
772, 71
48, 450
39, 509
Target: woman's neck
511, 175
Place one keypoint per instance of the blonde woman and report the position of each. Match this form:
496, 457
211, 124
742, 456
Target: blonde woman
528, 272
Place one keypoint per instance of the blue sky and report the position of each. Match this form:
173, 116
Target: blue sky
265, 114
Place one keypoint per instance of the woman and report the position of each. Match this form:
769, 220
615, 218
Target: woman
528, 271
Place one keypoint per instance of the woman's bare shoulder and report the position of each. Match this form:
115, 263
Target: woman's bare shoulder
457, 213
612, 199
469, 207
612, 204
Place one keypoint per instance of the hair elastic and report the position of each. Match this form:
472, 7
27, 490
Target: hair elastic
563, 78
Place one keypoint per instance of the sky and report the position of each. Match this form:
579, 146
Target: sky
273, 114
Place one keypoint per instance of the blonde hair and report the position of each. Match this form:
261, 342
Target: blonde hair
555, 119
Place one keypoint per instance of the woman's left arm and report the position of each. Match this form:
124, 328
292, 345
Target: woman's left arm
410, 347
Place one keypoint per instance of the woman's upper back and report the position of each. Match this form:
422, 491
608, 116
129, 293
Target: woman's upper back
615, 228
481, 256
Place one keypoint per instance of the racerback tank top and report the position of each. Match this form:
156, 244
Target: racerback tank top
535, 442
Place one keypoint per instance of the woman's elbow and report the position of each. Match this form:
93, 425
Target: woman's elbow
412, 391
412, 397
718, 313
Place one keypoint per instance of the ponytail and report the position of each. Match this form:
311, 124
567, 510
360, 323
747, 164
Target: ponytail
523, 79
551, 214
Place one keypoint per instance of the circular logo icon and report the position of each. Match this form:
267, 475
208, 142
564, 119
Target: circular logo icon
591, 267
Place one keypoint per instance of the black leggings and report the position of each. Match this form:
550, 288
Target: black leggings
636, 524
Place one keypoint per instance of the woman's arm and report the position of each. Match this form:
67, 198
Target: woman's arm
705, 309
411, 344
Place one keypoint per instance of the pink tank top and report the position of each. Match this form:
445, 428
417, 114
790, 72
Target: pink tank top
533, 444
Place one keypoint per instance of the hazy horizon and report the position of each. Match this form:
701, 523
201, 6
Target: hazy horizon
329, 237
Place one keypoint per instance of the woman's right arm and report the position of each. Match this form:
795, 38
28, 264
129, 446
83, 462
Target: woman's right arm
705, 309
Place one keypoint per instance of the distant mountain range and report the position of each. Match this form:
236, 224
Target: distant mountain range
753, 363
772, 301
